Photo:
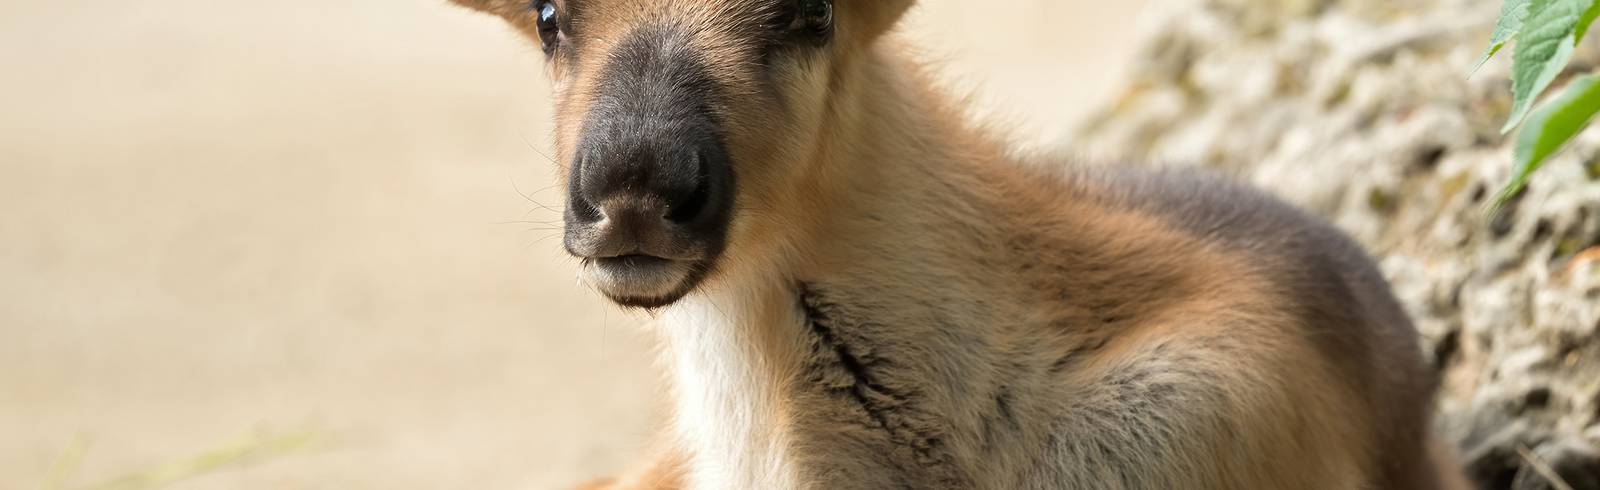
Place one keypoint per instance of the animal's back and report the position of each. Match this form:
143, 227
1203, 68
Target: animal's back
1331, 291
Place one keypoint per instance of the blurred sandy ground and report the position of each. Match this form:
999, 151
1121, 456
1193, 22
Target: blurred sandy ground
220, 219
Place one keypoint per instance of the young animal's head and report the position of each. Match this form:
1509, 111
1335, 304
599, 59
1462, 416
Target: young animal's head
677, 117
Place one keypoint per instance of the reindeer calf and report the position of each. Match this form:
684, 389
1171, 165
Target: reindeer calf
860, 290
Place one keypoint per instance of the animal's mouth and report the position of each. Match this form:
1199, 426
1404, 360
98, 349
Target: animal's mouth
642, 281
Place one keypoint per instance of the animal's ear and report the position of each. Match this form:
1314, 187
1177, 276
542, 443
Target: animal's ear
473, 4
871, 18
497, 7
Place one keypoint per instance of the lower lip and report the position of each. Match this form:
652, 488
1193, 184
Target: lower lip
636, 276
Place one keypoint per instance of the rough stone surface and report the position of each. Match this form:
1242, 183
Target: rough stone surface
1362, 111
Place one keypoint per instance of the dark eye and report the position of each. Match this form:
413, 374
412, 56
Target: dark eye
548, 21
813, 17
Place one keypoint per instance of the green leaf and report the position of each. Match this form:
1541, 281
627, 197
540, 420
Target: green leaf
1544, 46
1511, 14
1549, 129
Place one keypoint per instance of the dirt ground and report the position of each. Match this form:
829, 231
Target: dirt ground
227, 223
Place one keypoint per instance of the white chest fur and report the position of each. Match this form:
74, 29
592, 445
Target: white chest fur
728, 394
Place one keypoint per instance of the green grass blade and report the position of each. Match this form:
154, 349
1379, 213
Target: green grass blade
261, 447
1544, 46
66, 465
1549, 129
1512, 12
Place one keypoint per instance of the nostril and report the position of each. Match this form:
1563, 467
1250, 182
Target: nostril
690, 207
583, 211
580, 207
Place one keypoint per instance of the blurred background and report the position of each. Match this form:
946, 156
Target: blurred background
311, 244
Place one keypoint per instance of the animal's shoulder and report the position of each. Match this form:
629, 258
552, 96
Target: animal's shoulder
1319, 273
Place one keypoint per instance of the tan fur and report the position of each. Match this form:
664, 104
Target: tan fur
665, 472
903, 304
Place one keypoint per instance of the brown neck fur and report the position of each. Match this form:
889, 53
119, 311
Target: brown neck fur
891, 137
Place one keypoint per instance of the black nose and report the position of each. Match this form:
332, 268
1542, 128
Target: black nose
649, 186
643, 176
